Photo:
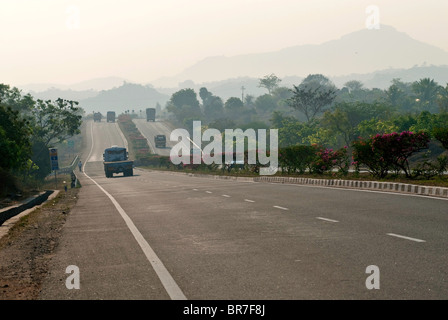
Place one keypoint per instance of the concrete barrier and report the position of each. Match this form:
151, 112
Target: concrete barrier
363, 185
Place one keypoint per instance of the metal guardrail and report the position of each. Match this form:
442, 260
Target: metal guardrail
69, 169
72, 167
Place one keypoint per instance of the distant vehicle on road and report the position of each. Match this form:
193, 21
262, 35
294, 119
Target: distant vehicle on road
116, 160
97, 117
150, 114
160, 141
110, 116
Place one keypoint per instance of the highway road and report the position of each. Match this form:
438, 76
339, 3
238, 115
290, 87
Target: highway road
161, 235
150, 129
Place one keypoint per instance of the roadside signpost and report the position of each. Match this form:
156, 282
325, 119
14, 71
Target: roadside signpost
54, 163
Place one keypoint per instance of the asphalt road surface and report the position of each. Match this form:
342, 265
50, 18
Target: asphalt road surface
159, 235
150, 129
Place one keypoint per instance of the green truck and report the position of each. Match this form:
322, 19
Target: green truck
116, 160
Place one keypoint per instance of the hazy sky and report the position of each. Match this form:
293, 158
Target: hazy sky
67, 41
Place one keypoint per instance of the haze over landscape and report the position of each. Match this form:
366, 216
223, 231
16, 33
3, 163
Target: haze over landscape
61, 43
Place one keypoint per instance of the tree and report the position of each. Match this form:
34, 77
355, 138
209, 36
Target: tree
382, 153
292, 131
442, 100
265, 103
270, 82
29, 128
313, 95
55, 121
399, 95
222, 124
354, 85
15, 145
441, 134
233, 104
184, 97
204, 94
52, 122
249, 101
426, 91
213, 108
345, 118
184, 105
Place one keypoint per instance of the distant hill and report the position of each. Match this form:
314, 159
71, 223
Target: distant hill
374, 57
88, 85
128, 96
381, 79
360, 52
54, 93
136, 96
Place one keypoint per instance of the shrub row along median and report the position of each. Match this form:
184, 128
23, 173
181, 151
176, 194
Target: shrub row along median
138, 145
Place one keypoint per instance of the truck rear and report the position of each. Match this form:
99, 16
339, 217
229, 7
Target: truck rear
110, 116
97, 117
116, 160
150, 114
160, 141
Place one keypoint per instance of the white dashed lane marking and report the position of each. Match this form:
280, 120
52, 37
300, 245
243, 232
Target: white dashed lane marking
325, 219
281, 208
404, 237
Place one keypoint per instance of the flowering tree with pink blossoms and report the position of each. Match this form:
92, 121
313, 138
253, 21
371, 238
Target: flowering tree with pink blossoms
383, 153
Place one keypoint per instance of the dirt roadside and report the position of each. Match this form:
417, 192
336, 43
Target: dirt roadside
25, 252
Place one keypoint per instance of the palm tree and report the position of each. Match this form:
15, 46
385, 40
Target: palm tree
426, 91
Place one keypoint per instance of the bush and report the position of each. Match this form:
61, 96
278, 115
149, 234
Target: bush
441, 134
297, 158
389, 152
429, 169
329, 159
138, 145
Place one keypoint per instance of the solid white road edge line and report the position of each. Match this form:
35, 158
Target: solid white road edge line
165, 277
